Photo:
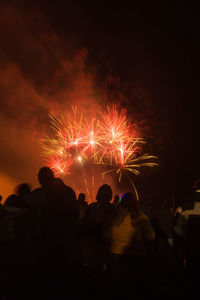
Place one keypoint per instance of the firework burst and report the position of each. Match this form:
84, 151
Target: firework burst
109, 141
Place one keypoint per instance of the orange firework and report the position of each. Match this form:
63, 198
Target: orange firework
60, 165
116, 125
109, 141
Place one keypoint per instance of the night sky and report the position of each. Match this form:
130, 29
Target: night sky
144, 57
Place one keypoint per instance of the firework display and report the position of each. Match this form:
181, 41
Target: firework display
109, 140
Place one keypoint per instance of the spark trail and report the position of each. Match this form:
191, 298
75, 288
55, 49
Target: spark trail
109, 141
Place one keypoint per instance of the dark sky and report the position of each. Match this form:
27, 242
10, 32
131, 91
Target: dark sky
143, 56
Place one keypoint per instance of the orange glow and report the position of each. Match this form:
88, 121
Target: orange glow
7, 186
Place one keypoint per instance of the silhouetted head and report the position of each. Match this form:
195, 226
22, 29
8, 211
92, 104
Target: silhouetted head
45, 176
128, 205
0, 198
81, 197
129, 202
196, 184
116, 199
11, 200
23, 189
104, 194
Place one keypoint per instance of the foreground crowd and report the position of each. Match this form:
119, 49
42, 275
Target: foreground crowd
55, 246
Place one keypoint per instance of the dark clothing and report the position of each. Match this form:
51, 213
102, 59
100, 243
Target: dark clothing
60, 217
16, 201
60, 254
54, 221
130, 273
165, 220
192, 251
187, 228
94, 221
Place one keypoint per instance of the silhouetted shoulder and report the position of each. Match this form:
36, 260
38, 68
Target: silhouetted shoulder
70, 191
11, 200
60, 189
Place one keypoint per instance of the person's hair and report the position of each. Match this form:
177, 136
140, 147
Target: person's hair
45, 176
116, 199
23, 189
104, 194
128, 204
81, 197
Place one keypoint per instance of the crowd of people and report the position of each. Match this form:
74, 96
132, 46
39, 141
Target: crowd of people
54, 245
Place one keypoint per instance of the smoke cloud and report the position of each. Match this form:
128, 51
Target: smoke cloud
40, 72
44, 69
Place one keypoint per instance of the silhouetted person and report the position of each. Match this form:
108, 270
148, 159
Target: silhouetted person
82, 205
22, 256
195, 194
82, 208
60, 214
8, 213
29, 243
45, 178
60, 220
95, 218
131, 239
164, 222
187, 228
23, 189
81, 198
39, 199
116, 200
23, 192
178, 241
